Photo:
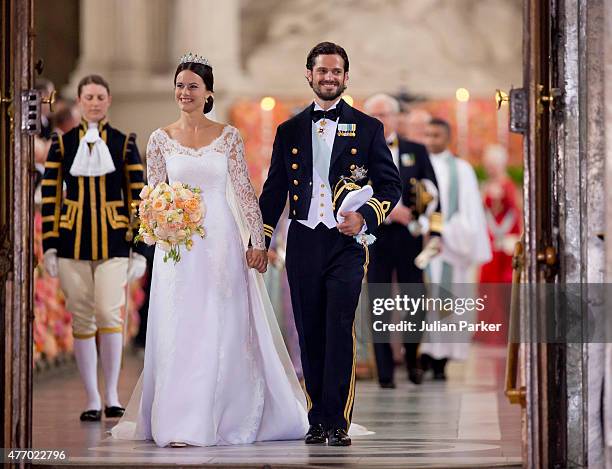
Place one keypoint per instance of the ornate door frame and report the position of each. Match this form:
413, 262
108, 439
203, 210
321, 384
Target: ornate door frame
16, 223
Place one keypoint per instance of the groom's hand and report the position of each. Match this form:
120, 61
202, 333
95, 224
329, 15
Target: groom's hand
257, 259
352, 224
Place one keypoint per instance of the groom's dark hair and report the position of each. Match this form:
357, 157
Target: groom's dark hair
326, 48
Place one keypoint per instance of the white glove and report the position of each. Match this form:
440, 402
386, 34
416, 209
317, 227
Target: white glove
50, 261
431, 250
137, 267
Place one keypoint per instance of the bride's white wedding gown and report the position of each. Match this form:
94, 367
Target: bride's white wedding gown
216, 371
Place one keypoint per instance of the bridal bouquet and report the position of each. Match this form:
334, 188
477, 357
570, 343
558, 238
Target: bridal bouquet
170, 215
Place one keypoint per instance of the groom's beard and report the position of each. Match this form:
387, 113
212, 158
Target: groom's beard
331, 95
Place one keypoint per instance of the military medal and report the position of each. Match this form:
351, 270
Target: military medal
360, 172
321, 129
346, 130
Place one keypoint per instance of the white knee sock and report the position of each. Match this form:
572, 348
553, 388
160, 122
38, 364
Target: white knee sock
87, 361
111, 346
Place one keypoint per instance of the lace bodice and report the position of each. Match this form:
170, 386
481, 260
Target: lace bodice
229, 143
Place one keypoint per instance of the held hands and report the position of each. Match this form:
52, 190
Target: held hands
352, 224
257, 259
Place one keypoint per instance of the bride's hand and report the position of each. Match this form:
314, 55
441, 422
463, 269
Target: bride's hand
257, 259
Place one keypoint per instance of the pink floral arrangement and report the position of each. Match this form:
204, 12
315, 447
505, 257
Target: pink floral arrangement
170, 215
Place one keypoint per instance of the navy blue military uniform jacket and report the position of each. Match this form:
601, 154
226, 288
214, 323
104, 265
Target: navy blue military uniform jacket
94, 220
359, 148
414, 163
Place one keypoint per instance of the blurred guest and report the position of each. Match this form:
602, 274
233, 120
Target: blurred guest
413, 125
396, 248
46, 87
87, 237
41, 148
66, 117
465, 241
503, 215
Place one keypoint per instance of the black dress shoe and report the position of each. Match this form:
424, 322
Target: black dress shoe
415, 375
338, 437
316, 435
387, 384
91, 416
439, 376
439, 369
113, 412
426, 362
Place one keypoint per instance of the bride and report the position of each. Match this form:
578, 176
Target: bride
216, 371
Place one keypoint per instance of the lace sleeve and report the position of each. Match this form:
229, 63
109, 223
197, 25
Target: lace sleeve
244, 190
156, 165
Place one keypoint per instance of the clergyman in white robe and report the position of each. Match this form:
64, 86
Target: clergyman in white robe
465, 245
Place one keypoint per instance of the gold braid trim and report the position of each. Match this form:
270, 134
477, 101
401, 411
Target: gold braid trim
347, 186
351, 394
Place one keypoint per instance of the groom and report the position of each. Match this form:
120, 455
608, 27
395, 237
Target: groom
325, 263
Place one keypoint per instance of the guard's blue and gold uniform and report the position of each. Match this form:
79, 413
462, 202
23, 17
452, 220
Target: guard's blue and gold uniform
92, 227
93, 220
325, 267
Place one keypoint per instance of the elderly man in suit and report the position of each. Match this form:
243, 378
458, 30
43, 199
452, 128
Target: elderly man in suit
397, 247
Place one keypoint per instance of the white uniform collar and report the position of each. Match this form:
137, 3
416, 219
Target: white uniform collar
333, 106
445, 154
392, 138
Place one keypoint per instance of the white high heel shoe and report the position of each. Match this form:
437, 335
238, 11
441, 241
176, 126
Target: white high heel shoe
177, 444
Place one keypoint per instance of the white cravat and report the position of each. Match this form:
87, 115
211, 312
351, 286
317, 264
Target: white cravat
95, 162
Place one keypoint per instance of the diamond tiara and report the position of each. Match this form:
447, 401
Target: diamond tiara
195, 58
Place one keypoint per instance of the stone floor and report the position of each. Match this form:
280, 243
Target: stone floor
464, 422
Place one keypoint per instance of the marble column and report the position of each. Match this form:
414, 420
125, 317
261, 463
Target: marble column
97, 24
211, 28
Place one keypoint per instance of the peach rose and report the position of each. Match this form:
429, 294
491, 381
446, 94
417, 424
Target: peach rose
196, 216
144, 193
161, 232
159, 205
191, 204
164, 245
160, 218
185, 194
148, 239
